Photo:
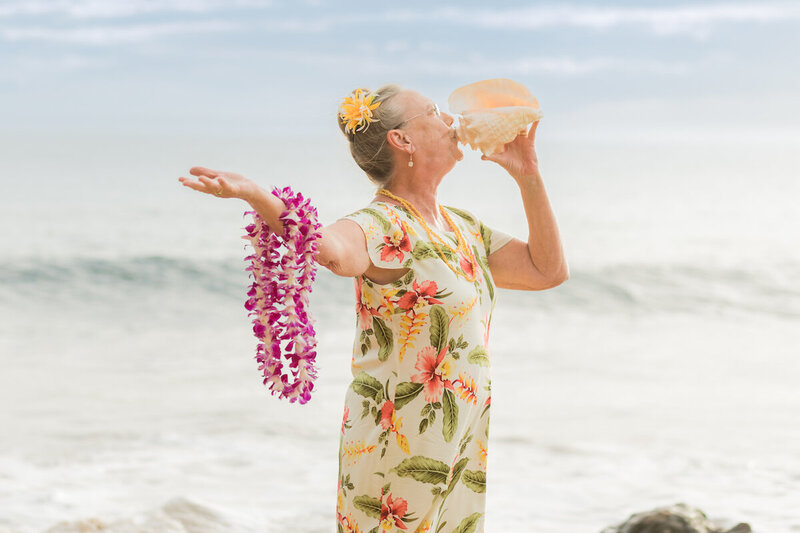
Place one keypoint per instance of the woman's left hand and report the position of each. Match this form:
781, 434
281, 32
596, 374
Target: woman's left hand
518, 156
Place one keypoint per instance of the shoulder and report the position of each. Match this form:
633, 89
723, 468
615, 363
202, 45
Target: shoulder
376, 214
388, 234
475, 226
465, 215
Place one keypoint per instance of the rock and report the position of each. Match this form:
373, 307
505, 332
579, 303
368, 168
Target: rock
678, 518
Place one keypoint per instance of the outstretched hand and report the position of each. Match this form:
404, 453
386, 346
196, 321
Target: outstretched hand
219, 183
518, 156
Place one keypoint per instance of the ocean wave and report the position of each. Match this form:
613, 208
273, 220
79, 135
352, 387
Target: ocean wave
179, 515
684, 288
634, 287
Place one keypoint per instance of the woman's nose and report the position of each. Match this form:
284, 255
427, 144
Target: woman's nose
448, 119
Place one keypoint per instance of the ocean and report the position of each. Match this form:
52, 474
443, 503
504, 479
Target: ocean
664, 370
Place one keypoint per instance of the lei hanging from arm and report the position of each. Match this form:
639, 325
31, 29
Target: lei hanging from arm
278, 297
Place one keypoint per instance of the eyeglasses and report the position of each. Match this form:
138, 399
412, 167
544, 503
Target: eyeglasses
436, 111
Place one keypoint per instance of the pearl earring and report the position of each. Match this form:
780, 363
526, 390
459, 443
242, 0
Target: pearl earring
410, 160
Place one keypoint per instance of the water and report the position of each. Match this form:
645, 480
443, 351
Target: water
664, 370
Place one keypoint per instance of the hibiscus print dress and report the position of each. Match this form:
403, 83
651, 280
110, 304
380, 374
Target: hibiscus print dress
413, 446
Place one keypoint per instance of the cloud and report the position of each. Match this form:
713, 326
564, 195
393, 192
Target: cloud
24, 68
660, 20
697, 20
478, 64
89, 9
104, 35
561, 65
694, 19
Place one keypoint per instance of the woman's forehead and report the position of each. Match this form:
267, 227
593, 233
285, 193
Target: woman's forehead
419, 101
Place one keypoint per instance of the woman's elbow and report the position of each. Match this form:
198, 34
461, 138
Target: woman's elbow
562, 276
555, 280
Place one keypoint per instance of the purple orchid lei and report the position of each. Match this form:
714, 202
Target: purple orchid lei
278, 297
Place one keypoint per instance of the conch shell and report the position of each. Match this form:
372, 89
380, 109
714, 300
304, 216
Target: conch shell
492, 113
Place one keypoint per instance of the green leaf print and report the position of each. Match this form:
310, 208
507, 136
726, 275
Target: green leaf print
463, 214
469, 524
405, 392
438, 327
405, 280
475, 480
369, 506
478, 356
486, 274
423, 425
365, 385
464, 442
450, 415
384, 336
378, 216
423, 250
423, 469
486, 235
427, 250
457, 469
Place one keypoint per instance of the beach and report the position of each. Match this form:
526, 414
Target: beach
664, 370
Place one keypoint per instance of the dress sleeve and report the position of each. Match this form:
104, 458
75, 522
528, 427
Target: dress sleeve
388, 242
493, 239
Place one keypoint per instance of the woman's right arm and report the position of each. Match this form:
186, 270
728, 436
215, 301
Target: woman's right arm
342, 248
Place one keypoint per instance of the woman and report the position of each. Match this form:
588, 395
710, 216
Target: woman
413, 447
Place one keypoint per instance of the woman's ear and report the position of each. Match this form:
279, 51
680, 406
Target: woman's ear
398, 139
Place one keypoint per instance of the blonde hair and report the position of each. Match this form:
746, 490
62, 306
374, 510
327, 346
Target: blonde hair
369, 148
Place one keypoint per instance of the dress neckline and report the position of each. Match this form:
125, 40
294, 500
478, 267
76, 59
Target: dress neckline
449, 233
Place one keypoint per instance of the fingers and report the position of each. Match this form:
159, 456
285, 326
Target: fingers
532, 131
203, 171
210, 183
193, 185
204, 184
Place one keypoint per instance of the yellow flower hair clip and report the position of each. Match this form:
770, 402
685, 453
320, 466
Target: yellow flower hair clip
357, 110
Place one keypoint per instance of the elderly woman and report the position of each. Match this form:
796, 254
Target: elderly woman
413, 446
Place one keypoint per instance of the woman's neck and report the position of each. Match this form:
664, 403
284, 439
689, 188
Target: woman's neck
424, 201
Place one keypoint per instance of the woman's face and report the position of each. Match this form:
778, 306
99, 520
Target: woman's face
434, 140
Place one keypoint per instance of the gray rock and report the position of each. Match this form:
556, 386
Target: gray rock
678, 518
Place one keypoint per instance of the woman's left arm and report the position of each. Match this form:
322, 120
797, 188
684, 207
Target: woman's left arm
538, 264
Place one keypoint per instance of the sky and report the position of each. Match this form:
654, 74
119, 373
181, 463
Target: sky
628, 69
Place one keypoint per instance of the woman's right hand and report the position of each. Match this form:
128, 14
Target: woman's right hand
220, 183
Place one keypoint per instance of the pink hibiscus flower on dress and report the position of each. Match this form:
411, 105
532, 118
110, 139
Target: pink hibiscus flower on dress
429, 364
386, 414
396, 245
364, 311
466, 265
392, 513
420, 291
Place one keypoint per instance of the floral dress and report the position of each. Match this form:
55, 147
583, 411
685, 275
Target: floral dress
413, 445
